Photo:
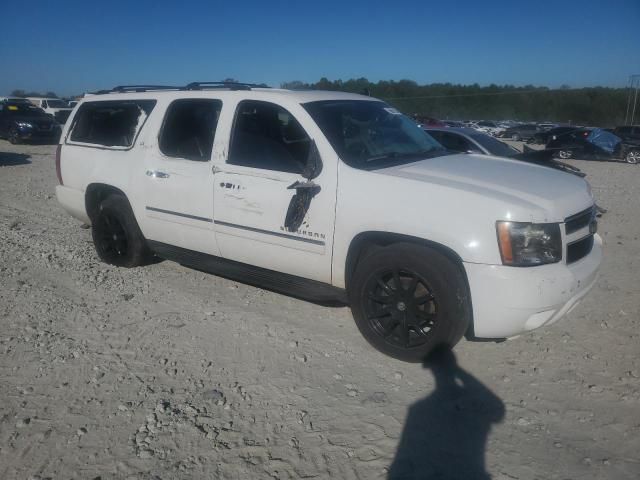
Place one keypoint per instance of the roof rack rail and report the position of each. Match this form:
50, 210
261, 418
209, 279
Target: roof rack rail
229, 85
136, 88
190, 86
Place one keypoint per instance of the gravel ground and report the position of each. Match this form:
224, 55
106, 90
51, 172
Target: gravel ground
164, 372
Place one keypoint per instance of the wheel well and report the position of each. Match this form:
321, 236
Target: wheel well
367, 241
96, 193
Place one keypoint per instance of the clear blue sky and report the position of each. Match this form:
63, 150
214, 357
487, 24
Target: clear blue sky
71, 46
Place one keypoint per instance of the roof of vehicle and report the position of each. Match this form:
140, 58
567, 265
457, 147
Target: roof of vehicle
13, 99
300, 96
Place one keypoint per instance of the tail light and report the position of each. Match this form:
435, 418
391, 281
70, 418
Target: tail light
58, 171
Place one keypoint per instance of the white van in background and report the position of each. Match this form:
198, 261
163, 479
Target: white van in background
59, 109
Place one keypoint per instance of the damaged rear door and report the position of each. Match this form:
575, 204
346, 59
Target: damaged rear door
274, 193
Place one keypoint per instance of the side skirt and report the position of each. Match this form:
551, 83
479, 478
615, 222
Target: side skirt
291, 285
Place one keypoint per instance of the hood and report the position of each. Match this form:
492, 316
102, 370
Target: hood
517, 183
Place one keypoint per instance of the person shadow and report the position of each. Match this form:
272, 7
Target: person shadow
445, 434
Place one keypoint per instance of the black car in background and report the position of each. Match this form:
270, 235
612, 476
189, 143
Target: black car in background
544, 137
22, 121
468, 140
595, 144
628, 132
520, 132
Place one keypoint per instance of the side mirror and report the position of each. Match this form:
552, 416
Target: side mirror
305, 191
313, 166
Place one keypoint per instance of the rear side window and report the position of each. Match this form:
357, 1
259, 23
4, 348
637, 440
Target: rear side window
189, 129
110, 123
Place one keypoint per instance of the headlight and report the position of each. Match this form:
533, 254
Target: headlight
24, 125
529, 244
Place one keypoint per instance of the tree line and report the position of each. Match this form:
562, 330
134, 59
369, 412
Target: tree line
596, 106
23, 93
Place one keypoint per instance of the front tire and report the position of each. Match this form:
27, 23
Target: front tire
14, 138
632, 157
117, 236
408, 299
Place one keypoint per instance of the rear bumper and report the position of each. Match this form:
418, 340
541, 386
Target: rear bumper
508, 301
72, 200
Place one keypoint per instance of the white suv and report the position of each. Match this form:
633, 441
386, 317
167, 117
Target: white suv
330, 197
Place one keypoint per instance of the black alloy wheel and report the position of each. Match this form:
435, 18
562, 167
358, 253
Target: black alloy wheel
401, 308
116, 234
408, 299
111, 238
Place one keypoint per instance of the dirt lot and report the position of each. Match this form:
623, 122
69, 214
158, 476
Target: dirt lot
165, 372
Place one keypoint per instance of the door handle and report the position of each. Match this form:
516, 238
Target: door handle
157, 174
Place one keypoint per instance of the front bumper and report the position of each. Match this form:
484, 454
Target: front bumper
38, 134
508, 301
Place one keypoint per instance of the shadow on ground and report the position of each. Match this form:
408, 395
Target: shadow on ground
8, 159
445, 434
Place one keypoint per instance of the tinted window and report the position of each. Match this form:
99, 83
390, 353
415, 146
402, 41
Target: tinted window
57, 104
267, 136
189, 128
110, 123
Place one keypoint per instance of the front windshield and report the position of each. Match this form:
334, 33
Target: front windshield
57, 104
23, 108
371, 134
494, 146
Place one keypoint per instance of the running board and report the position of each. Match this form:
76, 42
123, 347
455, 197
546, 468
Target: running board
291, 285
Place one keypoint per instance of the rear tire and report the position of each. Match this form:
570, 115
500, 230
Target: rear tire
117, 236
408, 299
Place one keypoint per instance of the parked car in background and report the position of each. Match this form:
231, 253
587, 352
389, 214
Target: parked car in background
595, 144
520, 132
545, 136
486, 126
471, 141
627, 132
21, 121
55, 107
14, 100
424, 121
